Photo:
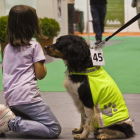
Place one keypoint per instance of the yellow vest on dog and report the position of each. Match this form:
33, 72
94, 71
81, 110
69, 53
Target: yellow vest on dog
108, 100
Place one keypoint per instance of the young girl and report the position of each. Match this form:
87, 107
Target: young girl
23, 64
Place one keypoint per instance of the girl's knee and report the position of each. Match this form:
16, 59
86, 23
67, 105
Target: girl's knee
55, 131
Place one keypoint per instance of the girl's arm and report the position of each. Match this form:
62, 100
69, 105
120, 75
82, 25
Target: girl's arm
40, 70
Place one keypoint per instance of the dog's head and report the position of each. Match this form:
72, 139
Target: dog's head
71, 48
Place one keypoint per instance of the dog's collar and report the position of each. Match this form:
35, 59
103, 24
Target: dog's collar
88, 70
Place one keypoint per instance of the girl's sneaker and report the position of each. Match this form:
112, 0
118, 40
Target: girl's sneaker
5, 116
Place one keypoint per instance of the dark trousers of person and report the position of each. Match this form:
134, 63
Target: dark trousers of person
98, 13
70, 18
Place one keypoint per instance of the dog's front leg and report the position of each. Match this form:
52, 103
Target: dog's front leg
80, 129
87, 127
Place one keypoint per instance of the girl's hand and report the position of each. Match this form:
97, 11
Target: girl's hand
40, 70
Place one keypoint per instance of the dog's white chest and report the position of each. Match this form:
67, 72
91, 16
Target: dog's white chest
72, 88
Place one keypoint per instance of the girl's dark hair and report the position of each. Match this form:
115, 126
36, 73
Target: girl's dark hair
22, 24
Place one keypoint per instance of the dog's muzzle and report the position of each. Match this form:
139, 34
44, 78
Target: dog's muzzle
47, 50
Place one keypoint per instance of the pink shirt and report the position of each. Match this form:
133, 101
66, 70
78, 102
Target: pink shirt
19, 80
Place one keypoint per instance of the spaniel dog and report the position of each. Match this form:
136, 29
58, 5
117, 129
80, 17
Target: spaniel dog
95, 94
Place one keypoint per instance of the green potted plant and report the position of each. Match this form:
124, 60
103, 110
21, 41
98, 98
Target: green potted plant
49, 28
3, 29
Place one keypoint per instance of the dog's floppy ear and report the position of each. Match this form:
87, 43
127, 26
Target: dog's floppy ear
77, 52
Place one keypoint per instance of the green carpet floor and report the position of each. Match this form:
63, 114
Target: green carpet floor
0, 57
55, 77
122, 63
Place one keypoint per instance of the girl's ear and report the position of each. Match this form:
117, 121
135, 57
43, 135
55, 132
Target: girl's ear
76, 54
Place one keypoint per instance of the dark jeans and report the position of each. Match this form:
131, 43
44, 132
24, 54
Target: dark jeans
98, 13
70, 18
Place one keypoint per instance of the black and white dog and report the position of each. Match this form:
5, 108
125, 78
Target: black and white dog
103, 112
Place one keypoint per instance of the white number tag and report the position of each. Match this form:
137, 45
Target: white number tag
97, 57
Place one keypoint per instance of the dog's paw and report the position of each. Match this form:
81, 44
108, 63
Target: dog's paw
77, 130
102, 137
108, 109
79, 136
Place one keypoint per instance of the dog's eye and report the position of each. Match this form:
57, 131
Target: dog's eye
57, 40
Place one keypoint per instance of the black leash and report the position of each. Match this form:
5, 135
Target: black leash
120, 29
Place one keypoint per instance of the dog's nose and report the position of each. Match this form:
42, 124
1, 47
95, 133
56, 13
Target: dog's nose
46, 47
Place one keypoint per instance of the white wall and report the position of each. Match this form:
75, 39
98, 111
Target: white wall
44, 8
2, 8
49, 8
129, 14
10, 3
64, 20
